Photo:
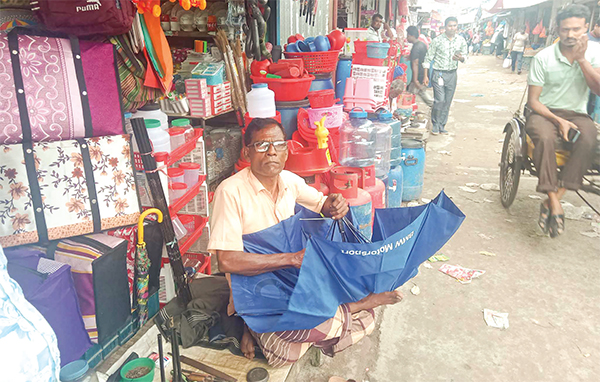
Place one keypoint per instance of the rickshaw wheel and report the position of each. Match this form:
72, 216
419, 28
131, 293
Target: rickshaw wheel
511, 165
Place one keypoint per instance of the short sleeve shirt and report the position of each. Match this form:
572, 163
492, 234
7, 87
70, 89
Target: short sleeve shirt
563, 83
243, 205
418, 52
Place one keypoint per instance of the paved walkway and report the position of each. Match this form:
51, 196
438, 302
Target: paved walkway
549, 287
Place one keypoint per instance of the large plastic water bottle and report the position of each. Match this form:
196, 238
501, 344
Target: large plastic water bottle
357, 140
396, 148
383, 145
261, 102
161, 141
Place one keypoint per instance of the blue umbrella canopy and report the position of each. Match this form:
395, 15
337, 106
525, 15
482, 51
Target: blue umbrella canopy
334, 271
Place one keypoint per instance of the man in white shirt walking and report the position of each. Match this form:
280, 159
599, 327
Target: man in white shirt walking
518, 47
379, 31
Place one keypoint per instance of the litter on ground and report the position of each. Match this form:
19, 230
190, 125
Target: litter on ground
462, 274
438, 257
486, 253
495, 319
415, 290
467, 189
490, 187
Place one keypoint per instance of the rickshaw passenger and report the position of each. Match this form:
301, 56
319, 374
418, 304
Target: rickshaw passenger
560, 80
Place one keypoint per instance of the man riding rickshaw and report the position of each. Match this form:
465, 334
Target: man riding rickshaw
560, 79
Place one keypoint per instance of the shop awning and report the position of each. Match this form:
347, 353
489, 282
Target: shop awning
502, 5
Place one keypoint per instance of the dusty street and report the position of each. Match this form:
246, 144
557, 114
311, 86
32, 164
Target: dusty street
549, 287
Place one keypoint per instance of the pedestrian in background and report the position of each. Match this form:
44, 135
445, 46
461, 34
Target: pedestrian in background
594, 34
445, 51
518, 47
379, 30
417, 56
476, 43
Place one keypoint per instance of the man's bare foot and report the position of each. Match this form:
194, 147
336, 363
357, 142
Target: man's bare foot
376, 299
385, 298
247, 344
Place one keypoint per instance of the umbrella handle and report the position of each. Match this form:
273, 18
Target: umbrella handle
141, 222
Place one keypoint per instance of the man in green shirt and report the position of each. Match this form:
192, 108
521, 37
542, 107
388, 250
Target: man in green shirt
445, 51
560, 79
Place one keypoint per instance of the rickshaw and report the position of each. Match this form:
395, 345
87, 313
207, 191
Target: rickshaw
517, 153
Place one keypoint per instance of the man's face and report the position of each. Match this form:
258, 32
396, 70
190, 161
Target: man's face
571, 29
270, 163
376, 23
451, 28
411, 39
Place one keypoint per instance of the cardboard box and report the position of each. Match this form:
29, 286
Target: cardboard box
196, 87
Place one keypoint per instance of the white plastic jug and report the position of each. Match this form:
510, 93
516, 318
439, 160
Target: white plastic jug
261, 102
161, 141
152, 111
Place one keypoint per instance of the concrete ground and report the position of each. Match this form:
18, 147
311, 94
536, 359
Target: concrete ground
549, 287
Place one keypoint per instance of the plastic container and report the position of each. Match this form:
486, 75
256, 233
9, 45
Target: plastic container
378, 50
342, 73
396, 141
185, 124
152, 111
383, 145
334, 116
161, 141
177, 137
287, 89
178, 228
322, 81
191, 173
321, 98
413, 167
176, 191
188, 221
175, 175
357, 140
317, 62
139, 362
361, 46
289, 115
261, 101
77, 371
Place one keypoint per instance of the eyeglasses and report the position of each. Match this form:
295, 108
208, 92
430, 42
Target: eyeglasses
263, 147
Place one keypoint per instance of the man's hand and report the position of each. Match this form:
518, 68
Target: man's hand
458, 57
297, 258
563, 127
580, 48
425, 79
335, 207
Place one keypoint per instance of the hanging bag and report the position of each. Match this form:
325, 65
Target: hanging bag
57, 89
86, 17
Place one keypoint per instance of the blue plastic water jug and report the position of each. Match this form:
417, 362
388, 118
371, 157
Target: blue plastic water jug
413, 167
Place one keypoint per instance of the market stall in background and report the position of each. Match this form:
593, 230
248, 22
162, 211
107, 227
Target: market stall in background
145, 108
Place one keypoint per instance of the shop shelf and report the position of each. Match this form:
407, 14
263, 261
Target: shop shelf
188, 240
185, 199
184, 149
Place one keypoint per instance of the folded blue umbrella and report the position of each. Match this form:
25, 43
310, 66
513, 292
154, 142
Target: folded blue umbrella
338, 267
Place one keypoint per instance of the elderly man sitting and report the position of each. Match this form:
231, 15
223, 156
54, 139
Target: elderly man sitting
257, 198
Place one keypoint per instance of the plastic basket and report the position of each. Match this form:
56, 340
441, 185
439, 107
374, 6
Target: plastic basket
333, 116
317, 62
